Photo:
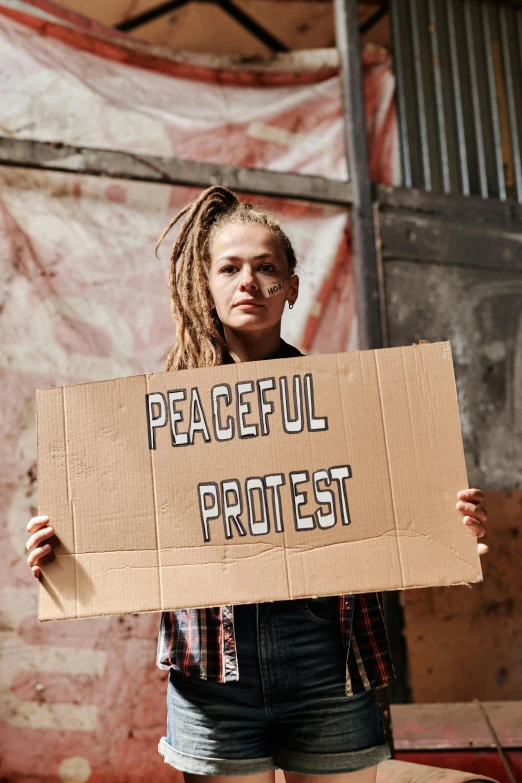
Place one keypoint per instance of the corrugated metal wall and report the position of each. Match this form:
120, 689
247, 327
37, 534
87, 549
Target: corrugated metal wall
459, 89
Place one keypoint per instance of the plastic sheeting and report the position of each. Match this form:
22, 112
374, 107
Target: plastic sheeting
84, 298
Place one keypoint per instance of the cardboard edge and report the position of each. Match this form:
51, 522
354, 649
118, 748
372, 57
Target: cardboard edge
39, 394
155, 500
385, 439
447, 344
159, 611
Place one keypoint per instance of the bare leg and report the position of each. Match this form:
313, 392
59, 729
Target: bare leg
368, 775
262, 777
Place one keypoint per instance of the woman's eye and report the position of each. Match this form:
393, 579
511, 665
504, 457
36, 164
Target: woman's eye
228, 270
267, 268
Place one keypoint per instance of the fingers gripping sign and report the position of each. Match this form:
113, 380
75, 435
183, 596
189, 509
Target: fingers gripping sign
470, 504
41, 530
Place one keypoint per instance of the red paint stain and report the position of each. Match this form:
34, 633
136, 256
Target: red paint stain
116, 194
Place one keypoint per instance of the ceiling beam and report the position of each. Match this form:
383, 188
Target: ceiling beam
133, 22
250, 24
372, 18
149, 16
228, 6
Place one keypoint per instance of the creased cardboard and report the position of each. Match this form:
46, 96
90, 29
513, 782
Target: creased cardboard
253, 482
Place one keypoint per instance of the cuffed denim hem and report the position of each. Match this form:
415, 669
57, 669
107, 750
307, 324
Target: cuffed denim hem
198, 765
291, 761
331, 763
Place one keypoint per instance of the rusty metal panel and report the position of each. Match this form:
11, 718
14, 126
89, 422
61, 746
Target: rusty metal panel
512, 61
467, 643
459, 72
451, 269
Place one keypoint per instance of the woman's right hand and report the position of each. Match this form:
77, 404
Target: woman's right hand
40, 529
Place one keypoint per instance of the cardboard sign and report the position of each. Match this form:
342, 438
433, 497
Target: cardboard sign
253, 482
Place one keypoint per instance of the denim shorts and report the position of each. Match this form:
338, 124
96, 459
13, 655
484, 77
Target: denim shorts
289, 708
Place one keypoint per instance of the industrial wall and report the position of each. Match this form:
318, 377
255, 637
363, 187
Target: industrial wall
452, 271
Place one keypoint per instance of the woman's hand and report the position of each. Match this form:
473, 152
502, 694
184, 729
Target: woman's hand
40, 529
476, 516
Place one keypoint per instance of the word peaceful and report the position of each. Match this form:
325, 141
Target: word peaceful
244, 411
161, 410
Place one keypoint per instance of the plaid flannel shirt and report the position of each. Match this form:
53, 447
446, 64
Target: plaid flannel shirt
201, 642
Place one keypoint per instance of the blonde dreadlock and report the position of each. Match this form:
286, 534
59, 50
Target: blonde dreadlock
200, 341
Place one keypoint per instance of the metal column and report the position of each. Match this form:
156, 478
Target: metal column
368, 290
363, 234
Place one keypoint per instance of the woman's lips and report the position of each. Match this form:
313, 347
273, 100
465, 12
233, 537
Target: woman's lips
248, 304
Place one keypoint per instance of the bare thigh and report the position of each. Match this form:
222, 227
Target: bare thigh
368, 775
262, 777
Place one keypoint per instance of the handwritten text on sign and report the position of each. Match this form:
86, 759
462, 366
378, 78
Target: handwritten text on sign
244, 411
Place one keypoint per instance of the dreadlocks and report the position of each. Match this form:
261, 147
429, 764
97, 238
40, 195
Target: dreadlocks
200, 341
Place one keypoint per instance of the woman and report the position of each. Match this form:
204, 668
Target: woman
289, 684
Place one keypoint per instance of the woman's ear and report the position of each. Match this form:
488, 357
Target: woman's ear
293, 290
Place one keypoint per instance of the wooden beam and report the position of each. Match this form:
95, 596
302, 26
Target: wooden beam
472, 209
431, 239
115, 164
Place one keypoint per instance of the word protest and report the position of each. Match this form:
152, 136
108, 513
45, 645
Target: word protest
226, 501
261, 481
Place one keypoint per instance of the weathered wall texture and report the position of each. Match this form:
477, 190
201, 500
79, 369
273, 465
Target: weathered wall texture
480, 311
467, 642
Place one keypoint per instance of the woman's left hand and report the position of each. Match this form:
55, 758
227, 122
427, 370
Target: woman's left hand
476, 516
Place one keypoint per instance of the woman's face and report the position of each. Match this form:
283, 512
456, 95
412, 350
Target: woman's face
245, 261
